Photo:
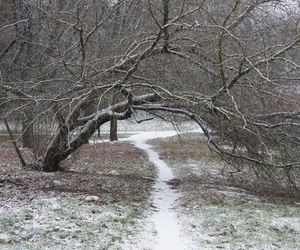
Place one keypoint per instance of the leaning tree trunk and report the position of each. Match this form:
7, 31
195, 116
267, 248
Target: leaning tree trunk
56, 150
51, 164
62, 146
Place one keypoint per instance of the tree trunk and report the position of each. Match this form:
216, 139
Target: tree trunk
98, 132
113, 135
14, 144
52, 164
56, 151
27, 133
61, 146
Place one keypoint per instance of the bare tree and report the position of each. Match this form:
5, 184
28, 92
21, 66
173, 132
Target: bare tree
229, 66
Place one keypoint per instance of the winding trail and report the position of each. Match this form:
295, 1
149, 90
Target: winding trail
168, 235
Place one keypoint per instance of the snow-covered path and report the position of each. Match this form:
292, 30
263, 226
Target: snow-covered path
167, 227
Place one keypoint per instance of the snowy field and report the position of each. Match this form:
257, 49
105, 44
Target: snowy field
215, 214
150, 191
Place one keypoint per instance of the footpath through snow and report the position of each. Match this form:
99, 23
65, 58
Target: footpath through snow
167, 226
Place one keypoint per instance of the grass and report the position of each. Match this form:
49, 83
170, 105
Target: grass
66, 222
120, 159
188, 146
96, 203
215, 213
51, 210
243, 226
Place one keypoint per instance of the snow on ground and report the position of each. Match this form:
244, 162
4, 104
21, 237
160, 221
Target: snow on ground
204, 210
64, 223
90, 207
286, 223
215, 215
151, 125
164, 218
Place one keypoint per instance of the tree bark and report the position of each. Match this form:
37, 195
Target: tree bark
51, 164
60, 147
28, 133
15, 144
113, 135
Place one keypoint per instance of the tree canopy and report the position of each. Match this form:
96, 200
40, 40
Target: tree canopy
232, 66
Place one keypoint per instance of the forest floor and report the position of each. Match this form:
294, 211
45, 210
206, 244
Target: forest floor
104, 200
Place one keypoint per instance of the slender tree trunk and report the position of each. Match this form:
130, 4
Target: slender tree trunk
14, 143
28, 133
113, 135
98, 132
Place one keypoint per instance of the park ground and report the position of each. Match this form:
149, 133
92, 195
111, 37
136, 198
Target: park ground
103, 200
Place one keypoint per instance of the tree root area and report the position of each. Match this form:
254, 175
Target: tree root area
102, 170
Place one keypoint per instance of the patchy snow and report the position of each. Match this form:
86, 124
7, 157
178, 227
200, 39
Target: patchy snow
143, 238
216, 215
144, 135
91, 198
64, 223
211, 215
287, 224
141, 137
155, 124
